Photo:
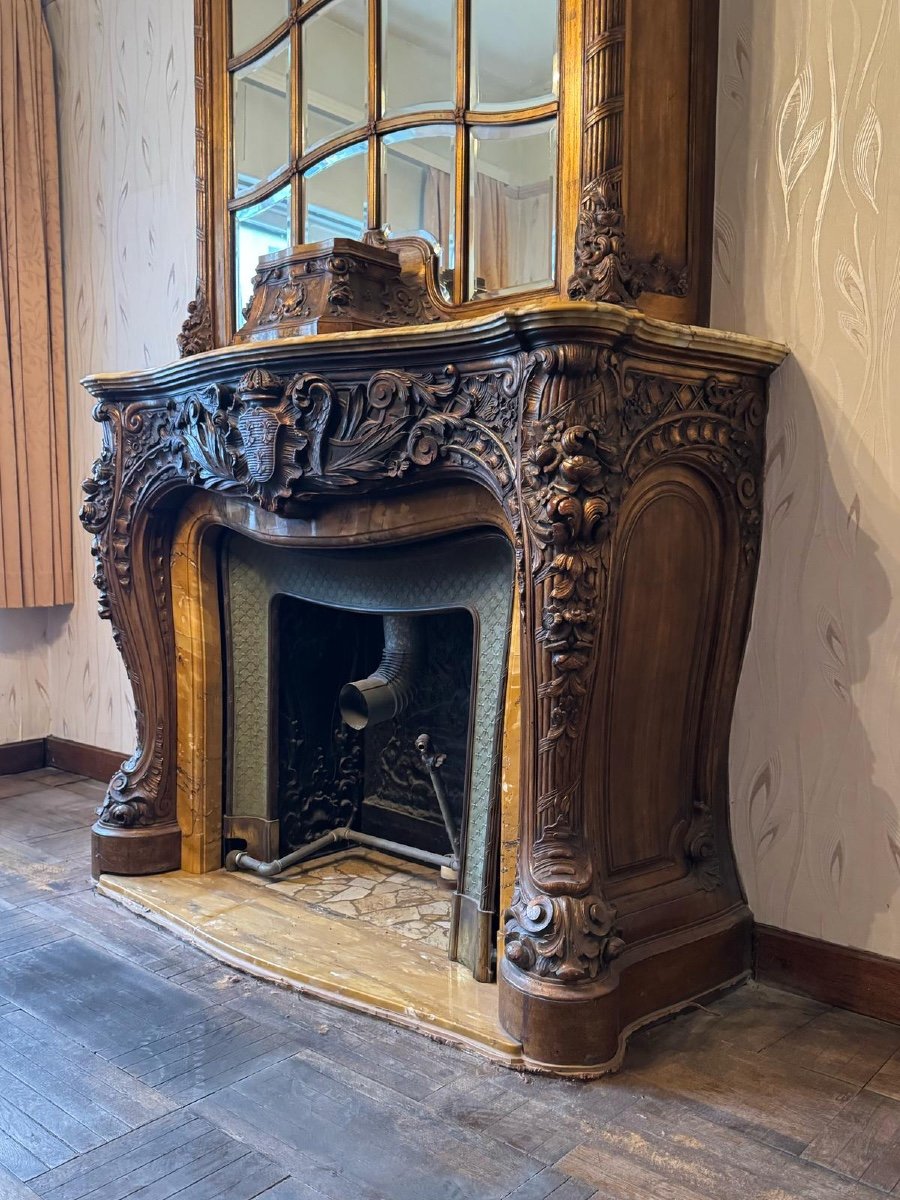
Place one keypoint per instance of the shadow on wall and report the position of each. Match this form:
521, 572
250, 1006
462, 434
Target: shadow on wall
816, 836
806, 240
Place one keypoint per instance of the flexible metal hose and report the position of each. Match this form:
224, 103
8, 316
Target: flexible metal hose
387, 691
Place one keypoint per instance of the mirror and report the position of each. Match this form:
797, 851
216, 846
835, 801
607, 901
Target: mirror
418, 187
418, 55
335, 196
512, 197
334, 71
253, 20
262, 118
262, 228
514, 53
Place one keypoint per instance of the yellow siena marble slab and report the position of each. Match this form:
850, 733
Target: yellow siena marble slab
278, 936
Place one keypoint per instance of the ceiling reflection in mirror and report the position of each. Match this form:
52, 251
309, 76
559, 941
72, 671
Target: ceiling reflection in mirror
334, 71
514, 53
262, 118
418, 49
253, 20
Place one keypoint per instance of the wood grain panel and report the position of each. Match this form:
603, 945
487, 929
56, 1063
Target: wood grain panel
671, 549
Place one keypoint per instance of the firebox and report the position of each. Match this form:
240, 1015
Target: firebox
321, 743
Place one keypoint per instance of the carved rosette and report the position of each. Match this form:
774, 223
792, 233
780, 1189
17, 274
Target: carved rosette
559, 435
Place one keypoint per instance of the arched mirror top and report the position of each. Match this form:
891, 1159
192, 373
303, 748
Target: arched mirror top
496, 128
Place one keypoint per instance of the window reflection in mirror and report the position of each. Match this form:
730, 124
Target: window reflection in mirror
514, 53
262, 228
512, 197
253, 20
335, 196
418, 187
262, 118
334, 71
418, 48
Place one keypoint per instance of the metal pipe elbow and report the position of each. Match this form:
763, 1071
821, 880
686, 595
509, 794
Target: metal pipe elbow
385, 693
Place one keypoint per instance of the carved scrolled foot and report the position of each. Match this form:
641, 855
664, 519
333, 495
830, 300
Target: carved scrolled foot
567, 938
131, 835
559, 981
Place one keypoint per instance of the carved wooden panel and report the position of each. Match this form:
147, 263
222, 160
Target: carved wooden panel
664, 623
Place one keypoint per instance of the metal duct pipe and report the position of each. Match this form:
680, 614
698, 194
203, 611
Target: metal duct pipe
240, 860
387, 691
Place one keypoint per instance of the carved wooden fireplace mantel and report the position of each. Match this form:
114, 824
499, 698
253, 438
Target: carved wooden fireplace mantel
623, 457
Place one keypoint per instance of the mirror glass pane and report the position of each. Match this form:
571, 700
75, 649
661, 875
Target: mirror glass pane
514, 53
335, 71
253, 20
418, 55
335, 196
418, 170
262, 118
513, 207
261, 229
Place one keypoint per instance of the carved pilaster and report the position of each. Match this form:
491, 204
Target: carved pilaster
604, 269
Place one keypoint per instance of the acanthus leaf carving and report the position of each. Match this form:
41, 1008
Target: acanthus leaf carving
566, 938
196, 335
605, 270
560, 435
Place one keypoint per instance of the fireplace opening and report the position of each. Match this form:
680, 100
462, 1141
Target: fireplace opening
330, 774
365, 692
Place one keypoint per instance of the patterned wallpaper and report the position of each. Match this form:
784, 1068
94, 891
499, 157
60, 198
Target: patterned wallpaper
808, 251
125, 73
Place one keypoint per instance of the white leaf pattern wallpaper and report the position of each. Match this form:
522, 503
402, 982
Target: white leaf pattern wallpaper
125, 94
807, 250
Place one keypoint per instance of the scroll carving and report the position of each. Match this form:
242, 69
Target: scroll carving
604, 269
197, 331
558, 434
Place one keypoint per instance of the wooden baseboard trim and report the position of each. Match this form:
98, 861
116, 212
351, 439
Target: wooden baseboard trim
75, 757
81, 759
857, 980
16, 757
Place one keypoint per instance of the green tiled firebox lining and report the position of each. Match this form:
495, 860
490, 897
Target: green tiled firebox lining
475, 572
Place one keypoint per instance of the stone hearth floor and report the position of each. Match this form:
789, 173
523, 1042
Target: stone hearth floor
364, 930
398, 897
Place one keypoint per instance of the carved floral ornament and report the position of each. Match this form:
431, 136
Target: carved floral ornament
559, 435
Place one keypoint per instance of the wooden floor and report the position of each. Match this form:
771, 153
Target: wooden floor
131, 1065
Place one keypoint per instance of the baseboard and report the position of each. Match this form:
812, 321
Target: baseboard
75, 757
81, 759
858, 980
16, 757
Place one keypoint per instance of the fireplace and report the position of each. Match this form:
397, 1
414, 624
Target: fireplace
566, 497
299, 624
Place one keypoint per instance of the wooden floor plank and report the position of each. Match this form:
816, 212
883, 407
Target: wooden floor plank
863, 1142
840, 1044
147, 1150
100, 1091
133, 1066
306, 1107
95, 997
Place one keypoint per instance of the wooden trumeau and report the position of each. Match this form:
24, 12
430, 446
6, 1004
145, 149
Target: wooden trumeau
636, 109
